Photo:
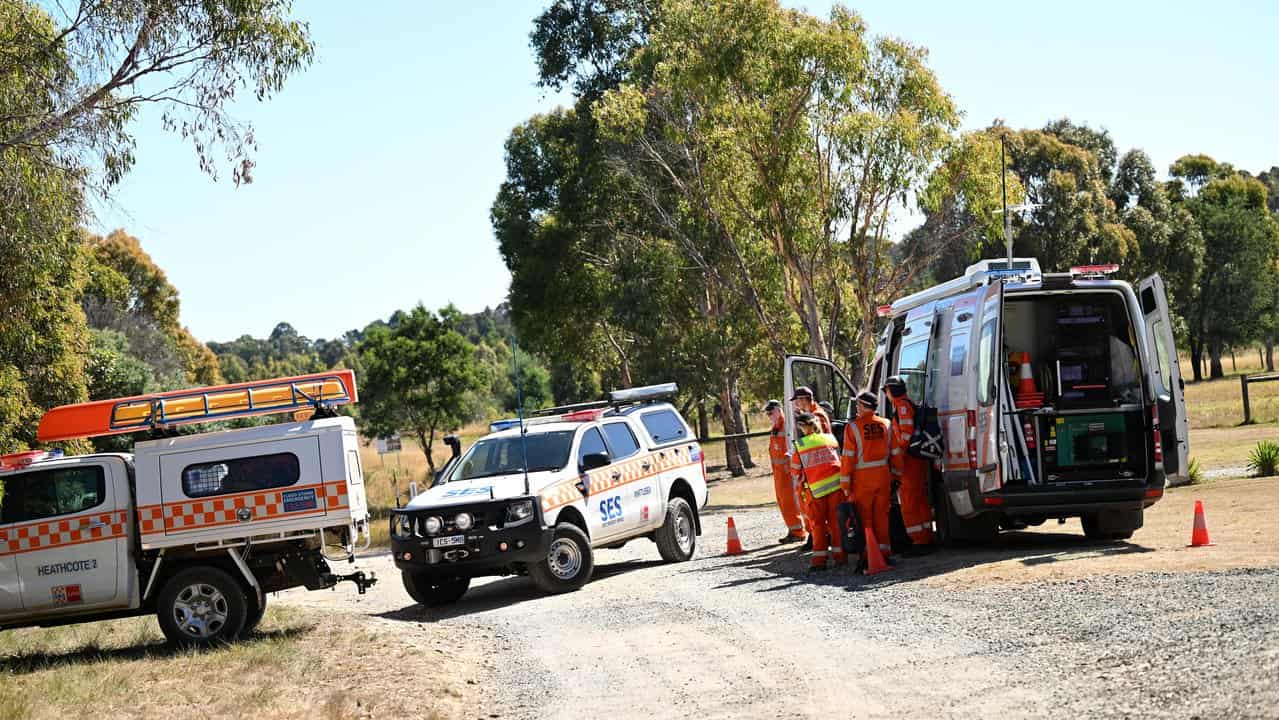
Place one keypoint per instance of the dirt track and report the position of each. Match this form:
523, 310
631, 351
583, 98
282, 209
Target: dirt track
1106, 630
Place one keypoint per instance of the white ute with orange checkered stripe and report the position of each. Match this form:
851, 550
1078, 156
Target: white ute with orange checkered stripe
196, 528
538, 494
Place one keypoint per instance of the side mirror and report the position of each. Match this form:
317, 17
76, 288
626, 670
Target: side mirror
594, 461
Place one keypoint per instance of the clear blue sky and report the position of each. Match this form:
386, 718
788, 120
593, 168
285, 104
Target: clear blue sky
377, 165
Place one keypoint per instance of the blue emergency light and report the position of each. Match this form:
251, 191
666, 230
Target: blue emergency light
500, 425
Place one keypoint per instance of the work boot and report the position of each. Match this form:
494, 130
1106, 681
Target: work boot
808, 544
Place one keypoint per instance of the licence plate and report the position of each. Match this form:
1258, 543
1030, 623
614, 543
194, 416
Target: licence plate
450, 541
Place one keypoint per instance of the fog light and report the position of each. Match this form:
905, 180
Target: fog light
408, 556
433, 525
502, 546
519, 543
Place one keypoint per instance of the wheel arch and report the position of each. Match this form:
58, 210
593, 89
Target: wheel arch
681, 488
571, 515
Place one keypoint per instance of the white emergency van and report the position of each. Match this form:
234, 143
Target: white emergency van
1048, 395
537, 495
196, 528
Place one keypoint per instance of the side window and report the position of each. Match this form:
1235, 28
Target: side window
49, 493
621, 440
1161, 351
987, 365
592, 442
664, 426
911, 367
261, 472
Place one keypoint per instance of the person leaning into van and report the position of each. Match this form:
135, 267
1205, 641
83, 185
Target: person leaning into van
817, 460
911, 471
783, 484
864, 472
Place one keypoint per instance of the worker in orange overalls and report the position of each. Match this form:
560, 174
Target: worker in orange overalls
804, 403
783, 484
910, 471
864, 471
817, 460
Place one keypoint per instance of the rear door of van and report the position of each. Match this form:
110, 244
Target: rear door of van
1167, 384
988, 368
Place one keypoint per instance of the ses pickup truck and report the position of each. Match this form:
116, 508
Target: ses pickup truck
195, 528
537, 495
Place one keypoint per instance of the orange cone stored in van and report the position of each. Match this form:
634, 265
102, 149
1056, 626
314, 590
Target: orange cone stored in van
734, 543
1199, 535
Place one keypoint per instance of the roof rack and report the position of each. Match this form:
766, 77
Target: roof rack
184, 407
581, 412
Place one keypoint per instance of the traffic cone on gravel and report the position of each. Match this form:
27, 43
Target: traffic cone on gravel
734, 542
874, 557
1199, 535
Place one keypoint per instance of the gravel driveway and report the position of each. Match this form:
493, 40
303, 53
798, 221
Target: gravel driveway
756, 636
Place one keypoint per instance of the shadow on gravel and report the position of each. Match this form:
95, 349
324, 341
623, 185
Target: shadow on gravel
29, 662
1028, 548
504, 593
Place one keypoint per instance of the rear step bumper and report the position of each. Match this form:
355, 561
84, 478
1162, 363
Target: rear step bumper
1073, 501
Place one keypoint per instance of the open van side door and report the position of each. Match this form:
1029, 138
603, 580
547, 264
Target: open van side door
1166, 383
828, 383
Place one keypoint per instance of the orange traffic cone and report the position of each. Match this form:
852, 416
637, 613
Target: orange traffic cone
734, 542
1199, 535
874, 558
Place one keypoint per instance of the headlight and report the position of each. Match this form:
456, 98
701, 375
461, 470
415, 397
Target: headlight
432, 525
518, 511
463, 521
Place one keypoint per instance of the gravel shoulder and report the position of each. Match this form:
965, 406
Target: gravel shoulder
1044, 623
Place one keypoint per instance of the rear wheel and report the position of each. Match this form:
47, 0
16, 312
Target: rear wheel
254, 614
568, 564
677, 537
201, 606
1112, 524
952, 530
434, 590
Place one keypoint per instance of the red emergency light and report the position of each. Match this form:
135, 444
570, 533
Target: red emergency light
582, 416
883, 310
1106, 269
16, 461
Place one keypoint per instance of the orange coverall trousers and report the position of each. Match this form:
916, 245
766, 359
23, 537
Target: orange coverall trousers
823, 517
871, 497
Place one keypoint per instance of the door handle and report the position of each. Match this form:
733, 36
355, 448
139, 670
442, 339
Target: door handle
616, 475
646, 465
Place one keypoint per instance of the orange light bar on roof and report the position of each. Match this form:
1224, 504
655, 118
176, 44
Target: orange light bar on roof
208, 404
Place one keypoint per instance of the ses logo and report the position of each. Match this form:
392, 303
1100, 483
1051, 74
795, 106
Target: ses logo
462, 492
611, 510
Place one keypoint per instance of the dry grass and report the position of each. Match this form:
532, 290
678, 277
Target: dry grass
299, 664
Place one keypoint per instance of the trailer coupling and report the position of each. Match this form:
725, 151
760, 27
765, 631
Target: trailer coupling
362, 581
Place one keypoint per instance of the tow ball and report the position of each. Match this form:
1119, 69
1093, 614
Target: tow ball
362, 581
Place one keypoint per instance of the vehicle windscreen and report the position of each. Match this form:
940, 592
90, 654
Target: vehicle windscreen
505, 455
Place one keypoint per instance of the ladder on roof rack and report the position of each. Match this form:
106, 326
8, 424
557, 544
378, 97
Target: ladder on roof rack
208, 404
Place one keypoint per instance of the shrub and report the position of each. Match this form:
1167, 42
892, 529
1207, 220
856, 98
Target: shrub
1263, 461
1195, 471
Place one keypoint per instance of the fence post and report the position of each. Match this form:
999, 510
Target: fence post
1247, 407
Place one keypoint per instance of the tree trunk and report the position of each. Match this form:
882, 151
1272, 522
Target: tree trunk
1196, 359
1270, 356
425, 443
731, 456
703, 423
743, 445
1215, 371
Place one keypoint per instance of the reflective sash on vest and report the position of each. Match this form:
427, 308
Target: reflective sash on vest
905, 421
878, 450
819, 457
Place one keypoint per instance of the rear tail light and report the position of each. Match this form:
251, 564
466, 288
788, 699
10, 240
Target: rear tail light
972, 439
1029, 433
1156, 442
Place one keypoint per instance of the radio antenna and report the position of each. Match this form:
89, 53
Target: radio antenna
519, 406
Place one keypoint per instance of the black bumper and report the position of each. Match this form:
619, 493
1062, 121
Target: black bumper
491, 547
1063, 500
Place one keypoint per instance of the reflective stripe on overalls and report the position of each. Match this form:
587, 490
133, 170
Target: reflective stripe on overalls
816, 452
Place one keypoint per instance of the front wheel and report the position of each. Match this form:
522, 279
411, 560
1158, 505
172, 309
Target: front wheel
433, 590
201, 606
677, 537
568, 564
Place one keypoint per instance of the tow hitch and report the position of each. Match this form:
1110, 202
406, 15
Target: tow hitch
362, 581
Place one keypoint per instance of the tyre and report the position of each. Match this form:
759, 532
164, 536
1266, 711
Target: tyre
433, 590
1112, 524
953, 531
202, 606
677, 537
254, 614
569, 563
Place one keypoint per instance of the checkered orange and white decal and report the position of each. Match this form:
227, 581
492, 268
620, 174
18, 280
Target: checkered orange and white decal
565, 491
206, 513
63, 532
